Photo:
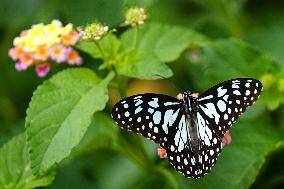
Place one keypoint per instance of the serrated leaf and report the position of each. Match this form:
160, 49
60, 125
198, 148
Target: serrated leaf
234, 58
15, 172
59, 114
241, 161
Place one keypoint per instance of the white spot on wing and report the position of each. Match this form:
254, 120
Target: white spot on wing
235, 86
137, 110
247, 92
221, 91
236, 92
221, 105
126, 114
151, 110
247, 84
156, 129
157, 117
154, 103
138, 102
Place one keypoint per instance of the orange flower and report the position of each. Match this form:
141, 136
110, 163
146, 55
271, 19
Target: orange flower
73, 57
70, 39
41, 53
26, 59
16, 53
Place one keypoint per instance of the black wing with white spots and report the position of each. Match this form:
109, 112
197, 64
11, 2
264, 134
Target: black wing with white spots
180, 150
148, 114
225, 102
190, 129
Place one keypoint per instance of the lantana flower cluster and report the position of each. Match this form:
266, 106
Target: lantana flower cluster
42, 44
135, 17
94, 31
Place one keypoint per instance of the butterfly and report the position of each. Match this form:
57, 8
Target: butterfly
190, 128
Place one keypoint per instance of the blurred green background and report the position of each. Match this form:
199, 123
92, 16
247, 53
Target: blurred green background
258, 22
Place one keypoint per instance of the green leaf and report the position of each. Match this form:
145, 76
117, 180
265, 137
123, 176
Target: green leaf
109, 45
15, 172
145, 51
141, 65
59, 114
241, 161
234, 58
163, 41
102, 133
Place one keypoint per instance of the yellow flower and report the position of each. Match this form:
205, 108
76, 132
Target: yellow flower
18, 41
36, 30
67, 29
54, 28
30, 47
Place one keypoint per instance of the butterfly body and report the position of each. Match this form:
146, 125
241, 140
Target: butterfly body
190, 128
190, 109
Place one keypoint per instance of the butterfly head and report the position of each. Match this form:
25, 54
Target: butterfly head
189, 101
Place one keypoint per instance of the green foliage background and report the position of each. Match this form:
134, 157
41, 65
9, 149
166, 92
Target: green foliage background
56, 132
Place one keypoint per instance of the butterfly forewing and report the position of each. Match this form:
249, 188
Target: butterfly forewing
149, 114
225, 102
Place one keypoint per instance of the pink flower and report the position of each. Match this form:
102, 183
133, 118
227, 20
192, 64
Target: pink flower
227, 139
16, 53
162, 153
73, 57
26, 60
70, 39
42, 69
58, 53
20, 67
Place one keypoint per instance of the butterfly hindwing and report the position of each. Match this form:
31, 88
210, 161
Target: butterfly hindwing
180, 154
225, 102
148, 114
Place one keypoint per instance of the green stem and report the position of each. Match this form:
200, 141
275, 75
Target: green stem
100, 49
136, 37
108, 65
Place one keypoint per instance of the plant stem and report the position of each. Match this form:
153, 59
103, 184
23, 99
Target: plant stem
108, 65
100, 49
136, 37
